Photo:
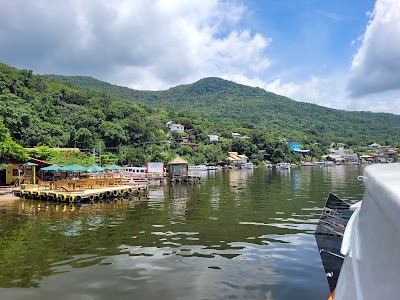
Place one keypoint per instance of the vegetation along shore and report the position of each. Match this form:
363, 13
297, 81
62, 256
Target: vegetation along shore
131, 127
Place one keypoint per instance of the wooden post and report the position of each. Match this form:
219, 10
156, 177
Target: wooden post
34, 174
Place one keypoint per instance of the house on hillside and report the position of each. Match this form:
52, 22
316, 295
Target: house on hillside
177, 127
296, 147
374, 146
213, 138
237, 160
391, 154
186, 142
236, 135
350, 157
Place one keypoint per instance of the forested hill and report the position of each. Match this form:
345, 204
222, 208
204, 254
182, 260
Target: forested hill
37, 111
130, 125
218, 99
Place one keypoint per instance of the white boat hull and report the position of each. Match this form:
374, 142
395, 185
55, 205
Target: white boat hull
371, 243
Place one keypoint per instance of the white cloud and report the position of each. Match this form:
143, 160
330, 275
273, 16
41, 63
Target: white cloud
376, 65
141, 44
331, 92
324, 91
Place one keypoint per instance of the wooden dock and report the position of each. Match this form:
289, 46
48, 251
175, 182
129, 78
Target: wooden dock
93, 194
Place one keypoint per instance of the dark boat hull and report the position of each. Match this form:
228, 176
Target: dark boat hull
329, 235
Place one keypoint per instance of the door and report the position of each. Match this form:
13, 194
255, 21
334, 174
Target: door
3, 176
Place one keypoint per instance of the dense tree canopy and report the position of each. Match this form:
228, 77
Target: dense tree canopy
128, 126
216, 99
8, 148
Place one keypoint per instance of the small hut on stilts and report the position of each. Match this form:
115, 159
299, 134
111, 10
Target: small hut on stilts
178, 170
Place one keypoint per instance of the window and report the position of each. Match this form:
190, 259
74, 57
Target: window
15, 172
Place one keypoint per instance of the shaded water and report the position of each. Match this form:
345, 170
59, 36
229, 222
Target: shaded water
237, 235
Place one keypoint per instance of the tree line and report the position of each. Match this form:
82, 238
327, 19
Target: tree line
47, 111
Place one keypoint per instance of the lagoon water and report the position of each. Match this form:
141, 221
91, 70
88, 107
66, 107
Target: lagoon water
236, 235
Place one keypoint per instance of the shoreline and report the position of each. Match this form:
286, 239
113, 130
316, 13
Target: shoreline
8, 197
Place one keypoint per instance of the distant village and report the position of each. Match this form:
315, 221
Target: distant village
336, 153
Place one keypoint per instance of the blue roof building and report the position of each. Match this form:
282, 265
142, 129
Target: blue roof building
295, 146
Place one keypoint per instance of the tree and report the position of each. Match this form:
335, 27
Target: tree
131, 156
184, 150
113, 133
8, 148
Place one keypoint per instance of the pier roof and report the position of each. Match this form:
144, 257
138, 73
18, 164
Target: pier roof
178, 161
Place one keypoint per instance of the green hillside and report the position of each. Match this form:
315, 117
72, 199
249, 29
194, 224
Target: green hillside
38, 111
218, 99
129, 126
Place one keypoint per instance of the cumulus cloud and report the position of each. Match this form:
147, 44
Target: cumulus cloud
330, 91
141, 44
325, 91
376, 65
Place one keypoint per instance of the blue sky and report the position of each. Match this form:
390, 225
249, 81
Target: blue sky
309, 37
336, 53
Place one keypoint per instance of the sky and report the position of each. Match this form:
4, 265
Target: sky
340, 54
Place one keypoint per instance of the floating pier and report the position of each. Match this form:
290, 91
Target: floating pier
90, 195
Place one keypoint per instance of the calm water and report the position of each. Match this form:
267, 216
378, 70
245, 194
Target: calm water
237, 235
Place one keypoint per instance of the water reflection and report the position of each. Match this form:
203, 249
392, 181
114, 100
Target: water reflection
236, 234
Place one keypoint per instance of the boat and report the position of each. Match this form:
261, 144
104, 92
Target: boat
361, 247
212, 168
135, 170
198, 168
283, 165
308, 164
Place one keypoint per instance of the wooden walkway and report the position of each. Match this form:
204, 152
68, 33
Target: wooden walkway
80, 190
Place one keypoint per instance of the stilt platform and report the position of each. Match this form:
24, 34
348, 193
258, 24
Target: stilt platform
77, 196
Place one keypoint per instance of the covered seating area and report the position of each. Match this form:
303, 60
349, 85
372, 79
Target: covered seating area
75, 178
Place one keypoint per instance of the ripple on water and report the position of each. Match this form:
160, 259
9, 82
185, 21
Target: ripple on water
236, 235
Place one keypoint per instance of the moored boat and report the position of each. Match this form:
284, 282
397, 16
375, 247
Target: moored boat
283, 165
197, 168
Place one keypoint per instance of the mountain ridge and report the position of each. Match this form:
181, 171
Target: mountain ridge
94, 83
40, 110
219, 99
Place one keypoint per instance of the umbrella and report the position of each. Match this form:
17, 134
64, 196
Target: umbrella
29, 164
73, 168
51, 168
94, 168
113, 167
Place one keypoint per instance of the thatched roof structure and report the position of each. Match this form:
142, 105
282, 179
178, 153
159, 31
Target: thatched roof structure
178, 161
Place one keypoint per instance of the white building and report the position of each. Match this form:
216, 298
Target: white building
235, 134
340, 151
213, 138
374, 146
177, 127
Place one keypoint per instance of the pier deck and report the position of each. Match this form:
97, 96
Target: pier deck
67, 195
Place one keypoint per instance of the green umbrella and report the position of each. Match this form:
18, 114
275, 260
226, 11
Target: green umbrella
94, 168
29, 164
73, 168
51, 168
113, 167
